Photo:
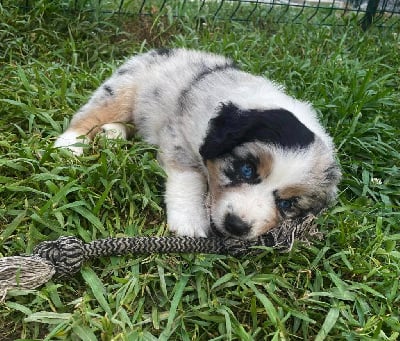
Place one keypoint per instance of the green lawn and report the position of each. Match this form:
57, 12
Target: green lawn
345, 287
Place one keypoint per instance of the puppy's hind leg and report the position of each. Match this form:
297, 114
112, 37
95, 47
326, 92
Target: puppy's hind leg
110, 107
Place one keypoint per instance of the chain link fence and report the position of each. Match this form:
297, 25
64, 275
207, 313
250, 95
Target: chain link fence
320, 12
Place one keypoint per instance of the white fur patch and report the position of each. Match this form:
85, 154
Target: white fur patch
68, 140
186, 214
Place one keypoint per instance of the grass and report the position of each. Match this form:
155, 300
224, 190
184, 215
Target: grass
345, 287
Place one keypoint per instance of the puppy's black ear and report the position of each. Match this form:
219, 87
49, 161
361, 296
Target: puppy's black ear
224, 132
233, 127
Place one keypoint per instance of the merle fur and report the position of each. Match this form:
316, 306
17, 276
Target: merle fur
203, 73
109, 90
163, 51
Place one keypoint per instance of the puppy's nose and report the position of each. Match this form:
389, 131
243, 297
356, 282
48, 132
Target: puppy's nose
236, 226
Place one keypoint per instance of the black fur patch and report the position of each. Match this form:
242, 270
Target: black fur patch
207, 71
163, 51
109, 90
203, 73
123, 71
233, 127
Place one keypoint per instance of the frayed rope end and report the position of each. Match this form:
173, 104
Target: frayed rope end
23, 273
62, 258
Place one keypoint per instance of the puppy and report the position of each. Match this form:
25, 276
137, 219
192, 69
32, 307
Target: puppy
239, 153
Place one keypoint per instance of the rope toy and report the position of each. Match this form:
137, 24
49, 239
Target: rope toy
64, 257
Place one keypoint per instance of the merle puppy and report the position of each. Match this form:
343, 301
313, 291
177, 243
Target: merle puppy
237, 150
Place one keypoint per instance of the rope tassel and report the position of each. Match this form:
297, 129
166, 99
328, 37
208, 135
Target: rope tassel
64, 257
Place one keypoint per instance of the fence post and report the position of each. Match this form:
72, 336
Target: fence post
370, 13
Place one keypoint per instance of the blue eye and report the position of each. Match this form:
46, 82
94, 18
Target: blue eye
284, 205
247, 171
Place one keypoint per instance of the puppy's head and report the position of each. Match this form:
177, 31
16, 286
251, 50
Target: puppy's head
265, 166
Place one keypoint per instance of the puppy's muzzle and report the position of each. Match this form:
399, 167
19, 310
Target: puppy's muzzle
235, 226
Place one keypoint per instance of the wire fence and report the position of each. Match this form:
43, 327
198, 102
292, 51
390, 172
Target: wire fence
320, 12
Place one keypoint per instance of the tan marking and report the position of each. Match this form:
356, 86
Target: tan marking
116, 109
265, 166
272, 223
292, 191
213, 175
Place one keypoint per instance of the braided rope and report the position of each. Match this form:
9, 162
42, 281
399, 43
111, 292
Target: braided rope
64, 257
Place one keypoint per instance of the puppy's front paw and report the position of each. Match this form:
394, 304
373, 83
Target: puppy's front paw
68, 140
184, 224
184, 197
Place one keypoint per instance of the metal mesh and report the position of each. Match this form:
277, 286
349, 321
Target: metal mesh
322, 12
